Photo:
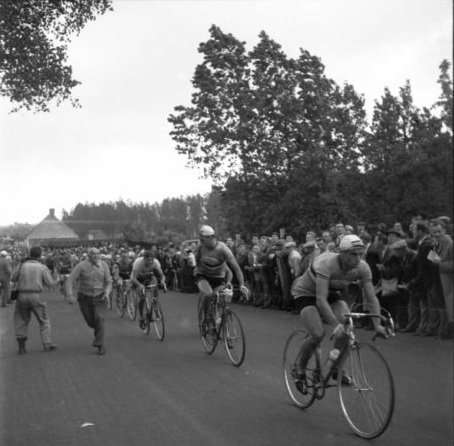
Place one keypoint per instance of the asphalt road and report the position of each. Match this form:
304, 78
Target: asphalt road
146, 392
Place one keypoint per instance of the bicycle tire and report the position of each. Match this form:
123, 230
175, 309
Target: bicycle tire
368, 403
120, 302
233, 337
62, 287
158, 319
147, 312
131, 305
208, 334
301, 392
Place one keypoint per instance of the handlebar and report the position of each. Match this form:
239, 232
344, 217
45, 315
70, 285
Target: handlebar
388, 322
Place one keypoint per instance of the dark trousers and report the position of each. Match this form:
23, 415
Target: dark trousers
93, 309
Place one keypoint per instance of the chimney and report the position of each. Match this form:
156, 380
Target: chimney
52, 212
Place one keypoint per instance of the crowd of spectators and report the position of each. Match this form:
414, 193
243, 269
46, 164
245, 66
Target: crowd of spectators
411, 268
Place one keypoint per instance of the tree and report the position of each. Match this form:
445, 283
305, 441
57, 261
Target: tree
33, 49
445, 101
259, 120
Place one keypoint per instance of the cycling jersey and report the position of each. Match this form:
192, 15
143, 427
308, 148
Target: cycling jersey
143, 272
212, 262
327, 266
124, 269
65, 264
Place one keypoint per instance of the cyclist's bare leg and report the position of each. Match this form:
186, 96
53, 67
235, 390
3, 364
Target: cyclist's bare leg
206, 291
312, 322
140, 304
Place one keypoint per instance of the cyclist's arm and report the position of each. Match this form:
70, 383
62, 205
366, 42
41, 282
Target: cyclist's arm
160, 274
134, 274
228, 274
322, 291
134, 280
373, 304
237, 270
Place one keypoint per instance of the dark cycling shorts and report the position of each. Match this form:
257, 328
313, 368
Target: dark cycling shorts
213, 281
308, 301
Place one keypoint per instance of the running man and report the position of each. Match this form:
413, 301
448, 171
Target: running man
317, 296
213, 258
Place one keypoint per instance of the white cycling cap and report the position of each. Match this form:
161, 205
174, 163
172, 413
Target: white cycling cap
206, 231
350, 242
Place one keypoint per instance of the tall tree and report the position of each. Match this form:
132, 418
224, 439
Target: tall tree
34, 36
446, 100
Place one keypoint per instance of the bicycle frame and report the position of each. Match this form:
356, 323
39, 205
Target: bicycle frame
219, 305
350, 332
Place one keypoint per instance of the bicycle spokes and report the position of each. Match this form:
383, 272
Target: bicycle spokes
368, 403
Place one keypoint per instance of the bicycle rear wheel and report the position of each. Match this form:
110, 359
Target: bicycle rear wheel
131, 305
158, 319
233, 337
120, 302
208, 332
301, 389
368, 403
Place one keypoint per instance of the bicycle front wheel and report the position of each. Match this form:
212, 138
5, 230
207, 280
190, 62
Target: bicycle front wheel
146, 312
208, 332
233, 337
120, 302
368, 403
131, 305
158, 320
302, 389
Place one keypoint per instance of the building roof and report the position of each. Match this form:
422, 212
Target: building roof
52, 228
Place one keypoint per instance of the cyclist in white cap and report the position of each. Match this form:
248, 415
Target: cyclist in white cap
213, 258
317, 295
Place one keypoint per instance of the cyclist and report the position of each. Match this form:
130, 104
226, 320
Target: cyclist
64, 264
145, 268
318, 300
212, 259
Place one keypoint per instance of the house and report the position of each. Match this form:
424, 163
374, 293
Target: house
51, 231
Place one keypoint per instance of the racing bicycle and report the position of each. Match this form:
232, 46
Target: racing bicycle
62, 284
367, 401
222, 324
121, 289
152, 311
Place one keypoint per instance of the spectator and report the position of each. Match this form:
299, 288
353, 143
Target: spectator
321, 245
242, 260
326, 236
392, 299
360, 228
444, 261
348, 230
339, 232
5, 278
231, 244
427, 279
257, 260
271, 272
309, 252
366, 239
407, 320
294, 259
285, 278
31, 277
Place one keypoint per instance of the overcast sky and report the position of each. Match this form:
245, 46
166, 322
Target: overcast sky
136, 65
